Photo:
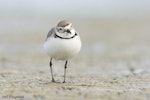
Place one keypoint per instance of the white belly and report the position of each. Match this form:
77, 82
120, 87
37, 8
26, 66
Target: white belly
62, 49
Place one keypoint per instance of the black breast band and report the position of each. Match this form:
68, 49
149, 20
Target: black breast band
56, 36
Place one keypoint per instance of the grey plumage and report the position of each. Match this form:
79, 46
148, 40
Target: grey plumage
62, 43
50, 33
63, 23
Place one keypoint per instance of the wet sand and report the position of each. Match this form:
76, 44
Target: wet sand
113, 65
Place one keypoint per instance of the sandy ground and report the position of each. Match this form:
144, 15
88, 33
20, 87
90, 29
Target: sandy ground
113, 65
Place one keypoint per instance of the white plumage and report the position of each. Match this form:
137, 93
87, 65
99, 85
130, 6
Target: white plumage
62, 49
62, 43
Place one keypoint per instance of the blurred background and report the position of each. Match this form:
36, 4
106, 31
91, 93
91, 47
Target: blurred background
115, 34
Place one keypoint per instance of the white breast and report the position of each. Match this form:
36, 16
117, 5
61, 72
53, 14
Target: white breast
62, 49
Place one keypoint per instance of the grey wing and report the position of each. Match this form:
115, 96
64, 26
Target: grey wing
50, 33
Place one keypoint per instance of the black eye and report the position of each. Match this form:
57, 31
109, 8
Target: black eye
60, 28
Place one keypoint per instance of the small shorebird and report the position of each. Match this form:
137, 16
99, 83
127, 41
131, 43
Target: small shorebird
62, 43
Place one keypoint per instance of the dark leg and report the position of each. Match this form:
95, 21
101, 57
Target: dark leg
50, 64
65, 71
